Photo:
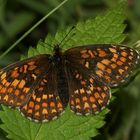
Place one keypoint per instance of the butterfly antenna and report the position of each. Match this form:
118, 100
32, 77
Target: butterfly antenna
71, 29
42, 43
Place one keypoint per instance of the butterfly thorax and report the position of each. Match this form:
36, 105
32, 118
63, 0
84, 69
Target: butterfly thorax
59, 66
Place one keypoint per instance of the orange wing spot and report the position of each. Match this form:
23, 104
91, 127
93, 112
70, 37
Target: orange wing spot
117, 76
34, 76
31, 63
82, 91
92, 99
10, 90
91, 80
88, 91
102, 53
123, 59
26, 90
130, 57
3, 75
37, 114
100, 101
53, 111
0, 97
107, 77
99, 72
109, 71
112, 50
83, 82
96, 94
52, 104
30, 111
21, 84
78, 107
83, 51
113, 66
103, 95
31, 104
25, 107
77, 100
6, 98
116, 55
14, 74
22, 97
11, 101
91, 54
16, 92
50, 95
3, 90
86, 105
37, 107
126, 67
32, 67
15, 83
94, 106
101, 66
124, 54
84, 98
91, 87
85, 55
131, 53
7, 84
105, 88
18, 104
77, 75
99, 89
121, 71
44, 111
44, 104
59, 105
25, 68
105, 61
119, 63
76, 91
87, 64
0, 87
38, 99
44, 97
34, 96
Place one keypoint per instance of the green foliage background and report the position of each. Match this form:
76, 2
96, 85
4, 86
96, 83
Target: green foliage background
123, 121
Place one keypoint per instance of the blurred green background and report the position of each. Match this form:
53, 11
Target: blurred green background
16, 17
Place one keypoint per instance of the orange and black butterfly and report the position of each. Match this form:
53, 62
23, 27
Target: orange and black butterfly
81, 77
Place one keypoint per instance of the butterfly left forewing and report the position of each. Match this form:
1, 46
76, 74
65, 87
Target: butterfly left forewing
111, 63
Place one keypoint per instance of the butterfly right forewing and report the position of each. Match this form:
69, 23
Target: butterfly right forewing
17, 81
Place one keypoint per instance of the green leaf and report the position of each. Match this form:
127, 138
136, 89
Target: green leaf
104, 29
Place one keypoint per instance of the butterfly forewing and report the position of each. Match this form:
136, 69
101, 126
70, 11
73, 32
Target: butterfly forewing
111, 63
17, 81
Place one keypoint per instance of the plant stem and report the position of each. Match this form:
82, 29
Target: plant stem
32, 28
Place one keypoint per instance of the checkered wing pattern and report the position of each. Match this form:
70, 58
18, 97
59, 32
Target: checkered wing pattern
88, 95
44, 103
111, 63
27, 85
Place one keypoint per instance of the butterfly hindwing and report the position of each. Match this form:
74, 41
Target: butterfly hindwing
88, 95
44, 103
111, 63
17, 81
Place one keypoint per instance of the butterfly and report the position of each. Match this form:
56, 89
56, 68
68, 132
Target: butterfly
41, 87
